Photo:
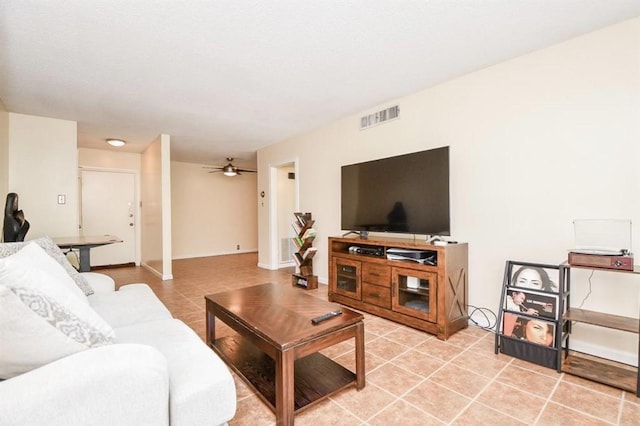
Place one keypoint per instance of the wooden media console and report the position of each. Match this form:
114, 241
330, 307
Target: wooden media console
430, 295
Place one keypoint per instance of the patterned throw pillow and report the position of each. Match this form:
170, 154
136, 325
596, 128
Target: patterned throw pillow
62, 318
42, 316
32, 256
36, 330
7, 249
15, 274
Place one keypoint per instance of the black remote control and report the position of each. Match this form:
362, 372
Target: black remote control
324, 317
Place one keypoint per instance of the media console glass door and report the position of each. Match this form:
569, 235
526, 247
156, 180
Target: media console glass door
347, 278
414, 293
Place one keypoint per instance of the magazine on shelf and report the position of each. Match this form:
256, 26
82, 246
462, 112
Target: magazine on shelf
296, 227
309, 233
531, 302
309, 253
534, 276
531, 330
302, 218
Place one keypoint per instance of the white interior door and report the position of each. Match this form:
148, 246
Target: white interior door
108, 207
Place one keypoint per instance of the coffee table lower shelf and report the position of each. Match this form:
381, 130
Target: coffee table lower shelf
315, 376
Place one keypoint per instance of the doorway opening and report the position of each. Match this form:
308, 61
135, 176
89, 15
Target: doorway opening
284, 202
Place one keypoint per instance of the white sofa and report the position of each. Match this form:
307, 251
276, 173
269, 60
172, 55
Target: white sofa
151, 370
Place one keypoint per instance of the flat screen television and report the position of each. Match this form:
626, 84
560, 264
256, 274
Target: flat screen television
402, 194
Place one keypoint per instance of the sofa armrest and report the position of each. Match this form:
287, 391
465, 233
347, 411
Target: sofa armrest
100, 283
121, 384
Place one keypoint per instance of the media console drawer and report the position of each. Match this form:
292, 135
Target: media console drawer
376, 295
376, 274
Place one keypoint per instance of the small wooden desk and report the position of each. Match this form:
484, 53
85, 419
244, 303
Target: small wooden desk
84, 245
277, 349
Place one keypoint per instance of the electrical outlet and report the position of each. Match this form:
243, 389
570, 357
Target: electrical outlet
238, 247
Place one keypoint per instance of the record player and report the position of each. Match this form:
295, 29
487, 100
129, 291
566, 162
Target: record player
597, 243
620, 260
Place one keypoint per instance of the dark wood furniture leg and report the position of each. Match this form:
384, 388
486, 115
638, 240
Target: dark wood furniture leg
360, 371
284, 388
210, 333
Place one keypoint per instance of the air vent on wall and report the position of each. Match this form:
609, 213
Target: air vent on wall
286, 250
380, 117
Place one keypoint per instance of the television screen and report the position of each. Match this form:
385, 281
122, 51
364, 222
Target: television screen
403, 194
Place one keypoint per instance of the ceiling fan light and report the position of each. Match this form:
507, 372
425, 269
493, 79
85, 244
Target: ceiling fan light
229, 170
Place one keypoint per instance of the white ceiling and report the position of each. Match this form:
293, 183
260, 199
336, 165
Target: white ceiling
225, 78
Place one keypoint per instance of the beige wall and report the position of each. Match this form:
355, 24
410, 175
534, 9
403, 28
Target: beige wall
535, 142
200, 227
212, 214
108, 159
156, 207
43, 164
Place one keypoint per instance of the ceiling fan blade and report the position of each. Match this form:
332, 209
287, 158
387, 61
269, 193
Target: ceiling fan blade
246, 170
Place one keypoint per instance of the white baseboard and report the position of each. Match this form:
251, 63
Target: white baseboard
156, 272
211, 254
265, 266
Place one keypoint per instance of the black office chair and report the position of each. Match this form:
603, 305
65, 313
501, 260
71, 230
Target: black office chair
15, 226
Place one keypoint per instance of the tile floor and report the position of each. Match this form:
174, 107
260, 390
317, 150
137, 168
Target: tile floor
412, 377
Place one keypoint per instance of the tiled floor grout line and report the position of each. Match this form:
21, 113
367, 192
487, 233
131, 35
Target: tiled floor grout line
621, 408
401, 397
552, 393
378, 412
424, 379
485, 387
548, 400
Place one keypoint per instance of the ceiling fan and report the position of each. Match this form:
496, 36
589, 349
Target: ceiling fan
229, 169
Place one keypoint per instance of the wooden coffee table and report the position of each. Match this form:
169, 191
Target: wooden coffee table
276, 349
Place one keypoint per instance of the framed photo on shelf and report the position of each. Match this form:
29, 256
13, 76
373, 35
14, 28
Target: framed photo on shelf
533, 276
531, 302
529, 329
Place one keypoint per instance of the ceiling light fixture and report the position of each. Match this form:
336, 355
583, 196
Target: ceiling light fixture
116, 142
229, 170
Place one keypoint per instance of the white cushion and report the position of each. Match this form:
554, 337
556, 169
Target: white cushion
33, 256
36, 330
14, 274
47, 244
100, 283
131, 304
201, 387
50, 302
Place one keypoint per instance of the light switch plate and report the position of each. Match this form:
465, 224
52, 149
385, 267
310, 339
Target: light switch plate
62, 199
